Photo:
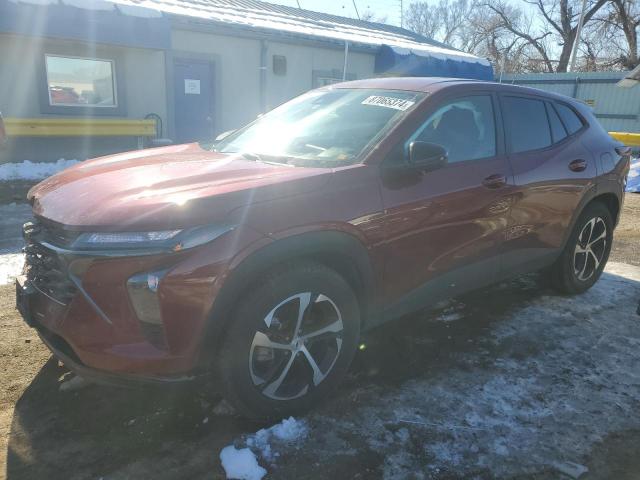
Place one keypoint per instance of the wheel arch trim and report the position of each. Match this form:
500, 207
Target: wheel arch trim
330, 248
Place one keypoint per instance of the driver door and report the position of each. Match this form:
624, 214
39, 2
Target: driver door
444, 228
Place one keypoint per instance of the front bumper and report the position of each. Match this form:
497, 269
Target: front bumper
27, 296
83, 299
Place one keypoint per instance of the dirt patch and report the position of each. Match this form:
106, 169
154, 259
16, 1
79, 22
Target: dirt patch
626, 242
477, 343
15, 191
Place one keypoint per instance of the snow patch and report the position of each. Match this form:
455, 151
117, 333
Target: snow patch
319, 27
10, 267
288, 430
243, 463
28, 170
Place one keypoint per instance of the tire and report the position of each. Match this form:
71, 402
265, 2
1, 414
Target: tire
578, 268
252, 362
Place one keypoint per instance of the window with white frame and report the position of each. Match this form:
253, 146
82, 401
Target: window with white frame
80, 82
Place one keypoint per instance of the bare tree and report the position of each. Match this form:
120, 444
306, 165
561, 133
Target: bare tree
514, 21
445, 22
534, 35
370, 16
471, 26
624, 18
561, 17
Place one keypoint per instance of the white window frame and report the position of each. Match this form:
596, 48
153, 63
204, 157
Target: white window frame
114, 80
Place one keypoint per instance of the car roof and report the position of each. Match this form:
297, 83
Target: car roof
432, 84
412, 84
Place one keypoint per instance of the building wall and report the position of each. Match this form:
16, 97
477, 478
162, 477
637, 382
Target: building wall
22, 81
237, 73
617, 108
145, 79
236, 63
302, 61
22, 61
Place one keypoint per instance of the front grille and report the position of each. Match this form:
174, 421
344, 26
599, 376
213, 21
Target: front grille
49, 233
45, 269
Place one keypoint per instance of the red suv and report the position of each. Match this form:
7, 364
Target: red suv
257, 263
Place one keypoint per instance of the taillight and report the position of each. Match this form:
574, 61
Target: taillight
623, 151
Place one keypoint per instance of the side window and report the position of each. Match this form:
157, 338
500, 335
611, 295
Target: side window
557, 129
526, 124
465, 127
569, 118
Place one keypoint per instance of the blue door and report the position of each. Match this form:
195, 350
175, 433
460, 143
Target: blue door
193, 84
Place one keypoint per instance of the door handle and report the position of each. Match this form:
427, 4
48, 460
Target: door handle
496, 180
578, 165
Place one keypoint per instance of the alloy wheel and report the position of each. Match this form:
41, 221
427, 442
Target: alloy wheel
296, 346
590, 249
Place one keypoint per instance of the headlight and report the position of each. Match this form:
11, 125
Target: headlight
128, 237
156, 241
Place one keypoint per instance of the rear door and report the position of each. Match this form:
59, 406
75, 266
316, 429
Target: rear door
444, 227
552, 172
193, 96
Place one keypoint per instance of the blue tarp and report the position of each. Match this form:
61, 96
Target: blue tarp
633, 182
405, 63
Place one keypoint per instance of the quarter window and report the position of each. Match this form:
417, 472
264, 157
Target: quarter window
527, 124
569, 118
80, 82
557, 129
465, 127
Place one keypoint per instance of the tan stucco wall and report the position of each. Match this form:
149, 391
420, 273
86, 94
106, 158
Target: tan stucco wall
302, 61
237, 71
22, 60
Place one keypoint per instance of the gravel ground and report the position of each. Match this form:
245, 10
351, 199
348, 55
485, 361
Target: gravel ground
509, 382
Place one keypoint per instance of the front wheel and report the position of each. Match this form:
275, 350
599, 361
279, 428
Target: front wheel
290, 341
586, 252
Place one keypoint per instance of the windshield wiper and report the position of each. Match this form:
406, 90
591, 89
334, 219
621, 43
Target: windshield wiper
257, 157
254, 157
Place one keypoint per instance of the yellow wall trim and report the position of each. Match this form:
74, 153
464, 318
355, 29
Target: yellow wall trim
629, 139
79, 127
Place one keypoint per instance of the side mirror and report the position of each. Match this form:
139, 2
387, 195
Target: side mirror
427, 156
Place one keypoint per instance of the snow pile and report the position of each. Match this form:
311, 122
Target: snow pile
10, 267
633, 183
288, 430
243, 464
28, 170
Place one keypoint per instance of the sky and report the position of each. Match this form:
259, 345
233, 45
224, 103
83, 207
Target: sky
345, 8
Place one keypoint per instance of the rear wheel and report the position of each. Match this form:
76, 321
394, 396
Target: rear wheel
290, 341
586, 252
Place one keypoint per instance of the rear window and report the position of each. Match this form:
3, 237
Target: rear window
570, 119
527, 124
557, 129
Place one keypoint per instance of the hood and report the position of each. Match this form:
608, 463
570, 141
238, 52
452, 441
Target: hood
164, 188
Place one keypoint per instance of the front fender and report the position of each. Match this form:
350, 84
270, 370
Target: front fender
337, 249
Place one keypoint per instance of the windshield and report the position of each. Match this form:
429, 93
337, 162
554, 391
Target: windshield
322, 128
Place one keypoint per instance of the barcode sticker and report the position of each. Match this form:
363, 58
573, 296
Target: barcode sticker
388, 102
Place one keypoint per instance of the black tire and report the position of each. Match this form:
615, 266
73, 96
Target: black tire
567, 273
241, 362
